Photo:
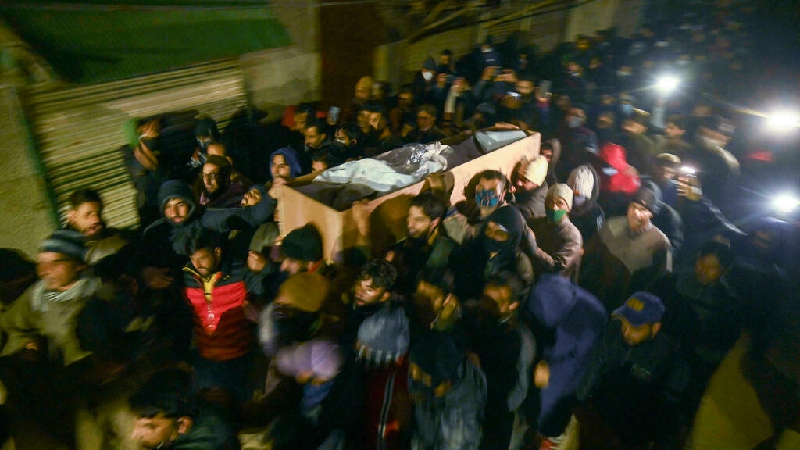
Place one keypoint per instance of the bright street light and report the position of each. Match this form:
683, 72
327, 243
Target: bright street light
786, 203
667, 84
783, 120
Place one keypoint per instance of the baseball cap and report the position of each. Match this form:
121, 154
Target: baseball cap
640, 309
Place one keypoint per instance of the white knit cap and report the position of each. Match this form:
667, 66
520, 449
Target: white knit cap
537, 170
563, 191
581, 180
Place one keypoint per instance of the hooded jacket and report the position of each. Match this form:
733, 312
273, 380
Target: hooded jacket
621, 179
559, 247
588, 217
292, 160
568, 320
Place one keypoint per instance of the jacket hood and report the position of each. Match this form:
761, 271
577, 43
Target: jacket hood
176, 189
552, 299
556, 144
579, 210
291, 160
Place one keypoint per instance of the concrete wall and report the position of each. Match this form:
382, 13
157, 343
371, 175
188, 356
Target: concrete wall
26, 212
601, 14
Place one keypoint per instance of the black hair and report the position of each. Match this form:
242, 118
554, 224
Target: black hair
82, 196
441, 278
430, 204
640, 116
722, 251
350, 129
373, 107
405, 89
319, 124
430, 109
447, 52
679, 120
306, 107
381, 272
167, 393
198, 238
206, 127
325, 157
506, 279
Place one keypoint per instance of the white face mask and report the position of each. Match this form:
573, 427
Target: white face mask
427, 75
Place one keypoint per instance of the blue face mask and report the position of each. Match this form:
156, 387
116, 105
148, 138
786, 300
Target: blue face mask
627, 109
487, 199
575, 122
579, 200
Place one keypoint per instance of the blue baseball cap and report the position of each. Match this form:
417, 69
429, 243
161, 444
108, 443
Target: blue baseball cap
640, 309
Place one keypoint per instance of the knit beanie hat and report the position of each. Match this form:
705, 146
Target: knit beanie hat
322, 359
304, 244
563, 191
537, 170
304, 291
67, 242
383, 337
649, 196
581, 179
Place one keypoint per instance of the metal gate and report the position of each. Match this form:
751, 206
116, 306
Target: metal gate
78, 130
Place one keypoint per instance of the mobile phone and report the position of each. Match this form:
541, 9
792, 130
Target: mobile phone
333, 114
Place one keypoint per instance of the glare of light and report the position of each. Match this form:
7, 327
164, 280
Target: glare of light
688, 170
783, 120
667, 83
786, 203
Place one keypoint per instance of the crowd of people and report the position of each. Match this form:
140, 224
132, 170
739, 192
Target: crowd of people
594, 294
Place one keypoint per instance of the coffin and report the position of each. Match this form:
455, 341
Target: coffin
387, 213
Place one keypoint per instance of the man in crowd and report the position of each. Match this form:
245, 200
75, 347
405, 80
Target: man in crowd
530, 187
629, 253
586, 214
316, 139
559, 241
579, 142
166, 416
632, 387
426, 130
219, 191
85, 216
638, 146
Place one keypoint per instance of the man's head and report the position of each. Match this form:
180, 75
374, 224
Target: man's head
428, 69
315, 133
162, 410
637, 122
424, 215
576, 116
301, 249
713, 261
363, 119
605, 120
445, 57
204, 250
529, 175
558, 202
363, 89
405, 98
675, 127
205, 130
304, 113
665, 167
638, 216
716, 130
640, 317
216, 174
347, 134
85, 213
525, 87
176, 201
302, 292
501, 296
434, 291
491, 191
323, 160
61, 259
374, 284
426, 117
284, 164
547, 151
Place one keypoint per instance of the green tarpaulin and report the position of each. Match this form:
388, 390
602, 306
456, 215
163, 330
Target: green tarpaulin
91, 42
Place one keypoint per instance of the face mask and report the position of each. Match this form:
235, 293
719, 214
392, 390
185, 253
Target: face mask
487, 199
487, 50
427, 75
555, 215
627, 110
623, 74
579, 200
342, 142
575, 122
491, 246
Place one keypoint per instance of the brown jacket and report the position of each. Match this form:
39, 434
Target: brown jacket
558, 247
